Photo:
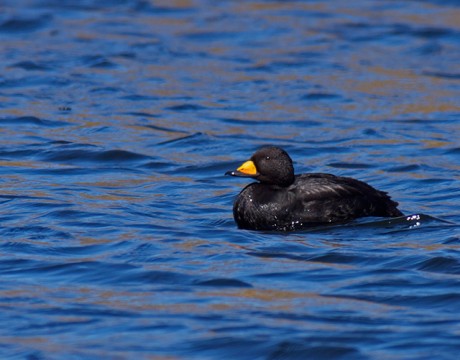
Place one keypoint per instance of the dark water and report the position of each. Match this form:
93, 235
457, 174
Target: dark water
118, 120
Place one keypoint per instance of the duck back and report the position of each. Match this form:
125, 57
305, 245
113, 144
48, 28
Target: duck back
312, 199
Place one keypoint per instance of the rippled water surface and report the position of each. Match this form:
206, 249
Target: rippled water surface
118, 120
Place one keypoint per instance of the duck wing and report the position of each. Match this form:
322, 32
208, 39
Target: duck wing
329, 198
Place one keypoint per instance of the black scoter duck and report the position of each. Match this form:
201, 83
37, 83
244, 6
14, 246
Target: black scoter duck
283, 201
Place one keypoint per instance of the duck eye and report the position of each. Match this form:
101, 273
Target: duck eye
267, 158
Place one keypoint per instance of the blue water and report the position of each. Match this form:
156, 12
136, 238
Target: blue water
118, 120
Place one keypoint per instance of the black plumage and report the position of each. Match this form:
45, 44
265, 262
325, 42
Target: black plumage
283, 201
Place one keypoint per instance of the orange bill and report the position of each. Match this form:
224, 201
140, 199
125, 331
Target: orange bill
248, 168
